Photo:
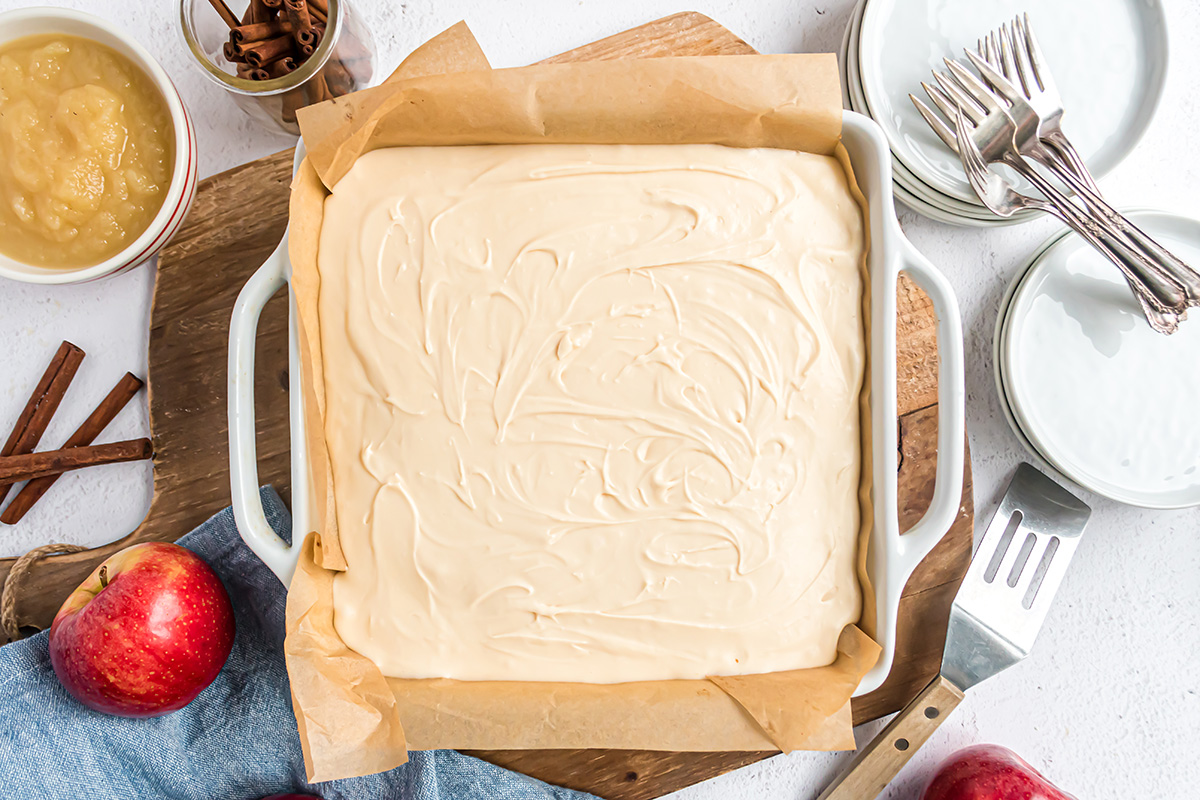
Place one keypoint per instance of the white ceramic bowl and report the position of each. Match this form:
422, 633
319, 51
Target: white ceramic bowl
182, 190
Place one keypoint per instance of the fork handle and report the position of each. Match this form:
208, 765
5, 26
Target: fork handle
1164, 293
884, 756
1161, 318
1062, 146
1159, 257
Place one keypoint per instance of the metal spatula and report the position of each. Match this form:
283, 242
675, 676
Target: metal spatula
996, 616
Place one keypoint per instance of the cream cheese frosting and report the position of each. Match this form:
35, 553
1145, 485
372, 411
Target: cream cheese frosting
593, 410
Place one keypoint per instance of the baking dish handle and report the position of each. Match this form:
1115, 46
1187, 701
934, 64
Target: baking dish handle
243, 457
916, 543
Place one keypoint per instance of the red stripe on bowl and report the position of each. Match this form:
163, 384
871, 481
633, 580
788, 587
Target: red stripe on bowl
181, 207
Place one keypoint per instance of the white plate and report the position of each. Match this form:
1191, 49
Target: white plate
909, 189
1108, 57
925, 209
1107, 401
852, 79
843, 49
1000, 352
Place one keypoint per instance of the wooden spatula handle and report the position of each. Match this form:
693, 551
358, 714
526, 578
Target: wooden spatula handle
885, 755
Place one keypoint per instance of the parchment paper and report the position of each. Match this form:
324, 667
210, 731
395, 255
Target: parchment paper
352, 719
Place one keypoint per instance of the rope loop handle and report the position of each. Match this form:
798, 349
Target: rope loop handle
16, 576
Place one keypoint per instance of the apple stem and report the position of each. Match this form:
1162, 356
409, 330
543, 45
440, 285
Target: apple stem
103, 576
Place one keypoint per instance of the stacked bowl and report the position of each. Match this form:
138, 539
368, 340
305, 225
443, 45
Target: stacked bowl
1110, 72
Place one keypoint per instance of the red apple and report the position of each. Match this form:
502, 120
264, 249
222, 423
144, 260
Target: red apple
990, 772
145, 633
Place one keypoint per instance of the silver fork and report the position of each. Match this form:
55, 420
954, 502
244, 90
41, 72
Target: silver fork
1026, 63
998, 194
999, 130
1013, 66
992, 133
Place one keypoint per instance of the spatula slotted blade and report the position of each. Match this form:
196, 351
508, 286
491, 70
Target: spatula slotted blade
1016, 571
1000, 607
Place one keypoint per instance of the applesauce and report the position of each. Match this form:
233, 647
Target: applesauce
86, 151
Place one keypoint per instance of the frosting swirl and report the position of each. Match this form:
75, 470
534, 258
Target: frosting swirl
593, 409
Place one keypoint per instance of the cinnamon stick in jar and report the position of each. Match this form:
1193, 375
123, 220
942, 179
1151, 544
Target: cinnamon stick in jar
292, 102
226, 15
311, 37
282, 67
318, 89
261, 53
297, 14
258, 31
337, 77
256, 12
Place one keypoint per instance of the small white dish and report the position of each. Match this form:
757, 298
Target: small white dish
999, 351
843, 50
36, 21
1110, 72
909, 189
1109, 403
926, 209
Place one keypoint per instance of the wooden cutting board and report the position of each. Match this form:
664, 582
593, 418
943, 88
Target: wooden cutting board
236, 222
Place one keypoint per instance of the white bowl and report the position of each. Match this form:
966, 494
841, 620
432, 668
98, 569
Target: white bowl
182, 189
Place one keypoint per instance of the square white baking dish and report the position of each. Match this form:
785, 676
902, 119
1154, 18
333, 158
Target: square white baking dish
891, 557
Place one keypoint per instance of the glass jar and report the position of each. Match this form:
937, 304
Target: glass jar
341, 61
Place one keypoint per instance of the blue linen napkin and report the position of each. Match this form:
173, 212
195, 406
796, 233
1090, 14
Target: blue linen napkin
236, 741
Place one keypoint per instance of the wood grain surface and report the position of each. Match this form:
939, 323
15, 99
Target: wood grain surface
236, 222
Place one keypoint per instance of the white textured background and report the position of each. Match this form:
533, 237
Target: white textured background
1107, 706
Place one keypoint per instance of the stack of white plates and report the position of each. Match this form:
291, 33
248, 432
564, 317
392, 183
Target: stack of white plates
1108, 58
1092, 392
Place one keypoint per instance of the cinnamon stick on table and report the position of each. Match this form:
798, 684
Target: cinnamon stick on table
30, 466
96, 422
42, 404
